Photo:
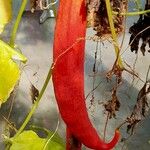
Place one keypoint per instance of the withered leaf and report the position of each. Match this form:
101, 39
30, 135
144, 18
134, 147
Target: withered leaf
112, 105
98, 18
140, 108
140, 30
33, 5
117, 71
34, 92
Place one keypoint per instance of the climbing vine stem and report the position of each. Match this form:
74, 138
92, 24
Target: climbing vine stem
132, 13
36, 102
17, 22
114, 36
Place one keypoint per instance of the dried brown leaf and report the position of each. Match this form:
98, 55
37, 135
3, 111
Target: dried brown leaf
98, 19
112, 105
34, 92
140, 108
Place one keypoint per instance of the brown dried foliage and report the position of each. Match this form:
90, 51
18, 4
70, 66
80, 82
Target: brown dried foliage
98, 19
112, 105
117, 71
140, 30
34, 92
140, 108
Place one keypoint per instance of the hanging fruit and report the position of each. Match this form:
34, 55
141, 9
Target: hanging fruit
68, 77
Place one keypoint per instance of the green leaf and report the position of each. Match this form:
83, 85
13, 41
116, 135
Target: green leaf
12, 53
9, 70
29, 140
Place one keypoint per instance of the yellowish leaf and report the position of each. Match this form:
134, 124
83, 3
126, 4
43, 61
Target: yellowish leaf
5, 13
9, 70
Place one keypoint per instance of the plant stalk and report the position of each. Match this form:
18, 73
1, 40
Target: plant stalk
114, 36
132, 13
54, 8
35, 105
17, 22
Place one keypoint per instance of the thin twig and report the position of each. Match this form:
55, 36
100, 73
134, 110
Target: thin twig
132, 13
127, 139
134, 74
93, 89
106, 123
134, 65
48, 5
12, 101
51, 136
123, 123
9, 123
94, 72
147, 73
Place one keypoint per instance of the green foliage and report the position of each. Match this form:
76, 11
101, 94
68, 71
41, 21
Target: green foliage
29, 140
9, 70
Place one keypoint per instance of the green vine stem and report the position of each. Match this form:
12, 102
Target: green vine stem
36, 102
54, 8
17, 22
132, 13
114, 36
50, 136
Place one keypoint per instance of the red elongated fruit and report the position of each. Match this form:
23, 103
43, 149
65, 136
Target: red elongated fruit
68, 75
